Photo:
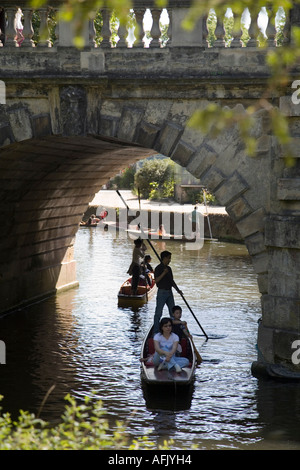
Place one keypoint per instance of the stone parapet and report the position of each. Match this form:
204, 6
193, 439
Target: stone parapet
168, 64
173, 36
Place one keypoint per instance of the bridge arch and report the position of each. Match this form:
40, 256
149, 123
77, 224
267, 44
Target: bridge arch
62, 157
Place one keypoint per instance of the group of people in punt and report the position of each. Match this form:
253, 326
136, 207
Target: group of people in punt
93, 220
168, 331
140, 266
166, 342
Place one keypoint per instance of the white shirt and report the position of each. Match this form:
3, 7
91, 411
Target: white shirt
164, 343
138, 255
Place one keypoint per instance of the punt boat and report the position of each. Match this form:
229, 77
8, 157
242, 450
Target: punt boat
144, 293
151, 376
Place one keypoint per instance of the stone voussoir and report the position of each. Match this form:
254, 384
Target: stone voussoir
252, 223
231, 189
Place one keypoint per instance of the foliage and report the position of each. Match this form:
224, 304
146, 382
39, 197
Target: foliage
98, 23
125, 180
209, 199
155, 179
82, 427
194, 196
164, 191
50, 34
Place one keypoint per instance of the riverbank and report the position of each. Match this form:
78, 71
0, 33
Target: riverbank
217, 223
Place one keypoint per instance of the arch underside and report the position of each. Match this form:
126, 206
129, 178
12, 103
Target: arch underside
46, 186
49, 177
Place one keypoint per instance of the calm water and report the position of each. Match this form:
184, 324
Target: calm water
82, 342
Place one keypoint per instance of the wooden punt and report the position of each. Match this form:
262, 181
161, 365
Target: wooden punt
148, 234
151, 376
144, 293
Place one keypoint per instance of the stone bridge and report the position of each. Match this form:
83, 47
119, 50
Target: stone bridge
70, 119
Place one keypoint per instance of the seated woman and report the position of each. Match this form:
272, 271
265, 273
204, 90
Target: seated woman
165, 344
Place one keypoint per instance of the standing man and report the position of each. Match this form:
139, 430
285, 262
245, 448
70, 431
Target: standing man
164, 280
138, 255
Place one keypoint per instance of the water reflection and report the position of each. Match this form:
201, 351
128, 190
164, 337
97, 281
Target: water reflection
167, 398
41, 343
81, 342
278, 405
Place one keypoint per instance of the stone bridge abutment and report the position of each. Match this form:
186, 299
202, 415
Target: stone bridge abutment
72, 119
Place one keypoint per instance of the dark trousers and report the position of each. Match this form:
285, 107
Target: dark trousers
163, 297
135, 277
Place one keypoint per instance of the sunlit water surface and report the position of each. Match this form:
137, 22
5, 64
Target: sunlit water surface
81, 342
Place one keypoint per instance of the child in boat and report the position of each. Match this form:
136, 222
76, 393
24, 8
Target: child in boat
147, 262
179, 326
165, 344
147, 268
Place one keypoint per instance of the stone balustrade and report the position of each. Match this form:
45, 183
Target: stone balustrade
152, 28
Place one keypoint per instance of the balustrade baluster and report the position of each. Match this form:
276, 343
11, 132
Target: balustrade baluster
155, 30
10, 30
92, 32
105, 31
219, 33
44, 40
237, 33
139, 30
122, 33
205, 33
28, 29
271, 30
286, 31
253, 33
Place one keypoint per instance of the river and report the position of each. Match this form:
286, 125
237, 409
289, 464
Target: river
81, 342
